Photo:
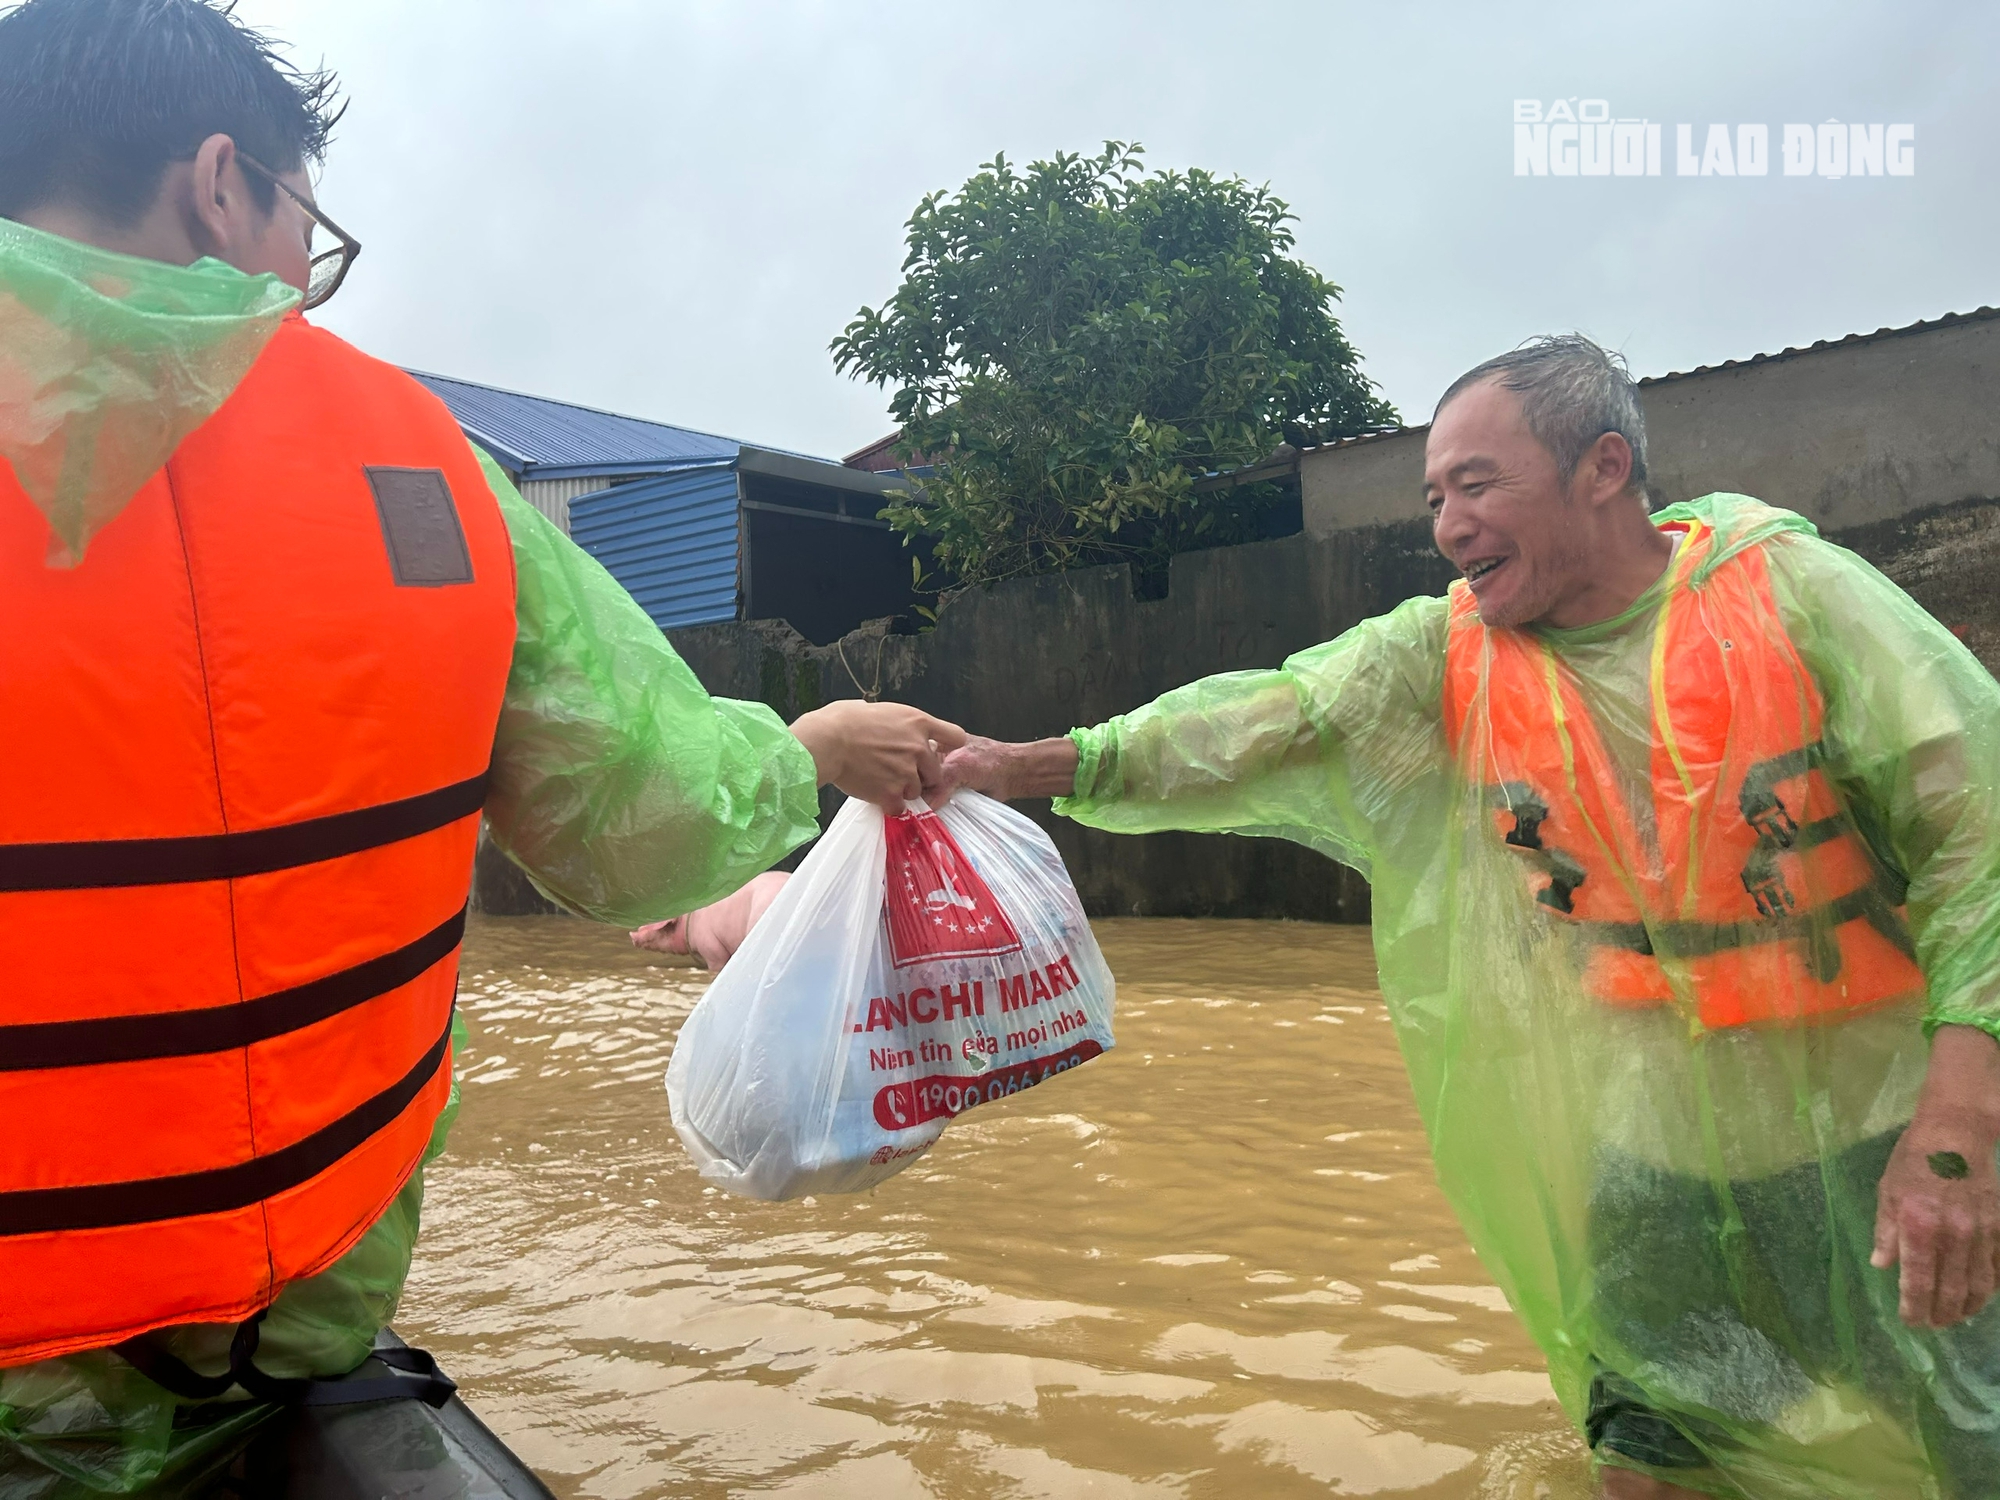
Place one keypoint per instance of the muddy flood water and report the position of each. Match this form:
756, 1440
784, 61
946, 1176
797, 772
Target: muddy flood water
1212, 1263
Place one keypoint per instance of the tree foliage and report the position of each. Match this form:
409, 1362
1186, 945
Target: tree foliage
1076, 344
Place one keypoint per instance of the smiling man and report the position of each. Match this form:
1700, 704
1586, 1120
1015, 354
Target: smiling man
1684, 833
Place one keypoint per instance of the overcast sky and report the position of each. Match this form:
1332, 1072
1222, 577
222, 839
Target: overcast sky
668, 209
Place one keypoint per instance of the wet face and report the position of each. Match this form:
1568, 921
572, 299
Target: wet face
1499, 510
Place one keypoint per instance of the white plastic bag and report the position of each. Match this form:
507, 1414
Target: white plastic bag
914, 966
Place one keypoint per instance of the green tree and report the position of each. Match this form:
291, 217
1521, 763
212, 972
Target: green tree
1076, 345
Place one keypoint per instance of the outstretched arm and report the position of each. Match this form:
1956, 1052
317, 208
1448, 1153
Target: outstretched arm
1327, 750
1035, 768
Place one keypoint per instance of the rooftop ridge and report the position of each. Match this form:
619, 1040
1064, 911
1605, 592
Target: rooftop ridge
595, 411
1791, 351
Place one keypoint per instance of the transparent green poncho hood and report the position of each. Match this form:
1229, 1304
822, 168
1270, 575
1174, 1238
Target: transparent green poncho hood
107, 361
1681, 1212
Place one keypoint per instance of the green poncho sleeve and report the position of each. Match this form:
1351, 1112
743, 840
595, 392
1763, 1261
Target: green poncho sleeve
623, 789
1912, 722
1321, 751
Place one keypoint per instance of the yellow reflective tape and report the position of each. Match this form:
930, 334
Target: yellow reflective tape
1663, 724
1551, 677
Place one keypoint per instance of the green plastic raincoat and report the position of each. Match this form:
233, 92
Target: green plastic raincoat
1682, 1213
619, 785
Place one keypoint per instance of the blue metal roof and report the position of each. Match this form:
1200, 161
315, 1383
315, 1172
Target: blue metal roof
537, 438
671, 541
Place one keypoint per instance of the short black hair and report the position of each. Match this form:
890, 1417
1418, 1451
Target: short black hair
98, 96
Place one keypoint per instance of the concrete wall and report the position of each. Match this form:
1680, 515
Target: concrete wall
1847, 434
1372, 481
1891, 444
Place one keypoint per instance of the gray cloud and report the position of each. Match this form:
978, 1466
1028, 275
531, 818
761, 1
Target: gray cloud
670, 209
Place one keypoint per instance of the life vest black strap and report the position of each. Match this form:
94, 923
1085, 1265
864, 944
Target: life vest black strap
1704, 939
99, 864
218, 1028
170, 1373
414, 1374
1777, 831
1760, 781
426, 1382
415, 1377
107, 1205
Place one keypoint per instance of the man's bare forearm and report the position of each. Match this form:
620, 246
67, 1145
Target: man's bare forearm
1036, 768
1962, 1086
1044, 768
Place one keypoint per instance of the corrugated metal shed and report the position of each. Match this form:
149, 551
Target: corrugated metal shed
552, 496
698, 528
535, 438
671, 541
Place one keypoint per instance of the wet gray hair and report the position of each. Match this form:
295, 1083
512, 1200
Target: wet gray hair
1572, 393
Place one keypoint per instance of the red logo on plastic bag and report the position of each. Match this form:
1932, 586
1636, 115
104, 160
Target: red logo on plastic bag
937, 904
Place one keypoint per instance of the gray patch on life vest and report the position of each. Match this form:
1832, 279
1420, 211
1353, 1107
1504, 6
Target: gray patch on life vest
420, 527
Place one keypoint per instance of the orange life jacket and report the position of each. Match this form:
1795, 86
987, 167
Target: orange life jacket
1754, 899
244, 759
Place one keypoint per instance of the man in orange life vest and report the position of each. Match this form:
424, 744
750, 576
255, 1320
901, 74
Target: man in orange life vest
277, 636
1684, 837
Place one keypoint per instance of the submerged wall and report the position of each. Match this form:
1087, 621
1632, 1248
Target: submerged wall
1890, 443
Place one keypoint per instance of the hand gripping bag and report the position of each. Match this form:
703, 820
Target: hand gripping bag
914, 967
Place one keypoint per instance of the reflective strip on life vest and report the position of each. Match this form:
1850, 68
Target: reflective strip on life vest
102, 864
217, 1028
105, 1205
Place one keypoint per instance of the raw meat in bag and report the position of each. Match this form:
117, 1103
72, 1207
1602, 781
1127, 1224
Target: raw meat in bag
914, 967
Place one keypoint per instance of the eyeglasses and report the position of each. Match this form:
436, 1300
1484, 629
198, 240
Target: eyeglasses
329, 267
